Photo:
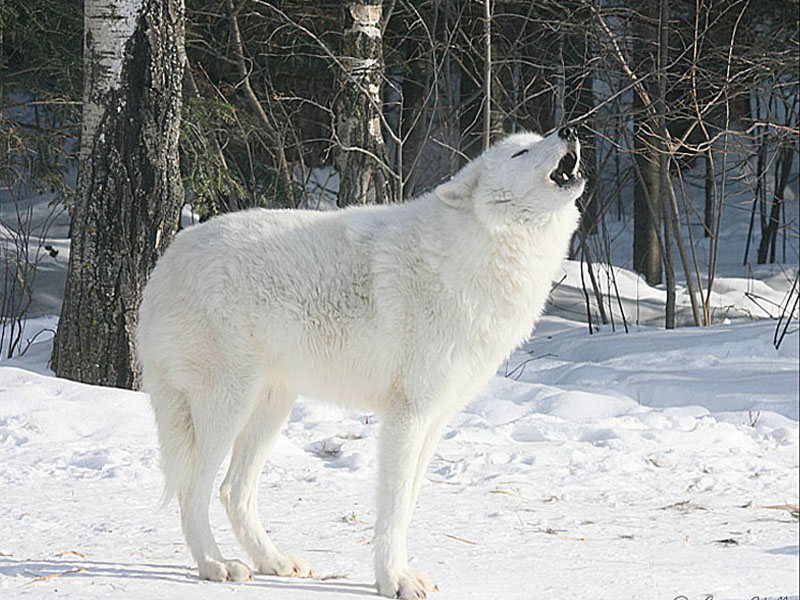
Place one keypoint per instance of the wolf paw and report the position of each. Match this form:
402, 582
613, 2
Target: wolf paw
408, 584
227, 570
284, 565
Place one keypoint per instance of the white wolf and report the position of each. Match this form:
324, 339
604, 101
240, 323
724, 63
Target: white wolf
404, 310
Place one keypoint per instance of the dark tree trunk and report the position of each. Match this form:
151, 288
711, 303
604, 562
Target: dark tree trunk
647, 188
760, 198
129, 194
646, 208
664, 182
469, 113
361, 155
769, 232
450, 90
416, 82
578, 101
708, 216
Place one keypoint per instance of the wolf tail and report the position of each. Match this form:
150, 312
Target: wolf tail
176, 436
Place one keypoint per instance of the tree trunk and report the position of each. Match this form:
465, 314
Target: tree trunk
487, 74
450, 90
414, 120
664, 182
129, 191
361, 156
647, 189
708, 215
578, 101
769, 234
646, 210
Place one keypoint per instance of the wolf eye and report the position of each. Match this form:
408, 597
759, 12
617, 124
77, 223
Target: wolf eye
520, 153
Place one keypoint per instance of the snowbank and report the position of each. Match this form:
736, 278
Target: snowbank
642, 466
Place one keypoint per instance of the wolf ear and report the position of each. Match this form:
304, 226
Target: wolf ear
458, 191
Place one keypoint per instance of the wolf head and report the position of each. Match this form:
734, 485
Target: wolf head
523, 178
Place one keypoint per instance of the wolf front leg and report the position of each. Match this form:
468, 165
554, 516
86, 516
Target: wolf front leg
402, 442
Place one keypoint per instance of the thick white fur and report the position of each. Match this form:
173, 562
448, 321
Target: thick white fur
404, 310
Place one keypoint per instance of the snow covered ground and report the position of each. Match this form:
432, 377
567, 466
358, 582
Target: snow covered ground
650, 465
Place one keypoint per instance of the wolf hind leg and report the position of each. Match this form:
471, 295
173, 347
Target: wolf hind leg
239, 490
214, 433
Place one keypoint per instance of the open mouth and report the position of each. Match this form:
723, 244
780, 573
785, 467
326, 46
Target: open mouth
566, 172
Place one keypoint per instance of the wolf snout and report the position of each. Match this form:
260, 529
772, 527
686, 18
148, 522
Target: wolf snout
569, 134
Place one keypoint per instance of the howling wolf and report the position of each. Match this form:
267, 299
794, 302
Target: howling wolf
404, 310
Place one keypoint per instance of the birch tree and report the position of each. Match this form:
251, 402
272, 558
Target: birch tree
129, 189
361, 156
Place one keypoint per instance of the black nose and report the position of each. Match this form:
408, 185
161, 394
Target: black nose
568, 133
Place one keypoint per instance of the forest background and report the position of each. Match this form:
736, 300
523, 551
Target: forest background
321, 104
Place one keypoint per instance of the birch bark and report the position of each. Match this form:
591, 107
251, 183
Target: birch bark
361, 155
129, 191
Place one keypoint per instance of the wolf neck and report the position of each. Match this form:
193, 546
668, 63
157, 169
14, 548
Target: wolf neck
525, 259
509, 279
